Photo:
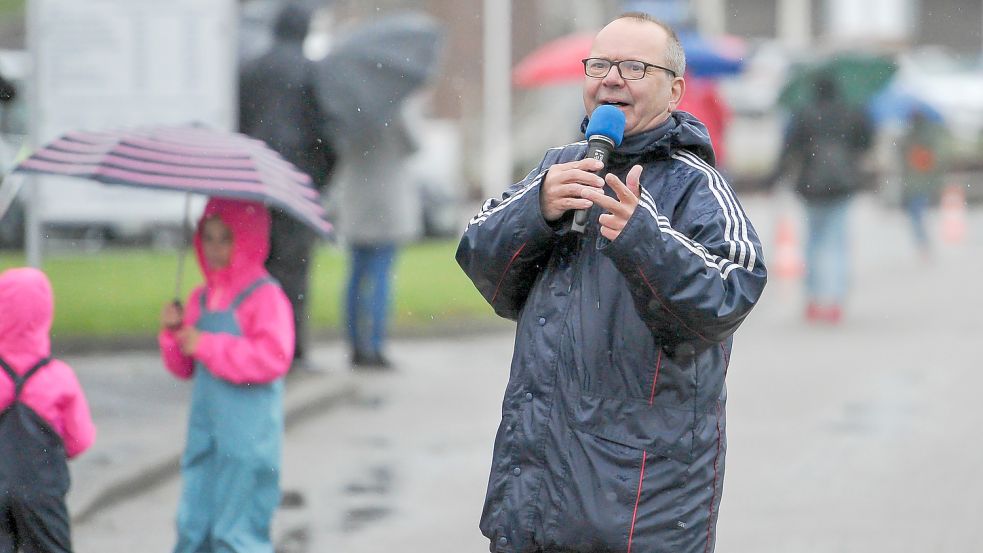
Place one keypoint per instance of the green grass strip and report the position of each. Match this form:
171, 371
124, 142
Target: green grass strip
119, 292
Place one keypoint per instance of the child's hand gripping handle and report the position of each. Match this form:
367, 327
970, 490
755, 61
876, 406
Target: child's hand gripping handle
172, 316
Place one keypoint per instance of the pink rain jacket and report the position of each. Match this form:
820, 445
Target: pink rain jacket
54, 393
263, 353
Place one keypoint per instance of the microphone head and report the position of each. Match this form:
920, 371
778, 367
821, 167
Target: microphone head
607, 121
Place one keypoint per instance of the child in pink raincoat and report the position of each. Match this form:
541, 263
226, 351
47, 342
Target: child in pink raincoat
44, 419
235, 339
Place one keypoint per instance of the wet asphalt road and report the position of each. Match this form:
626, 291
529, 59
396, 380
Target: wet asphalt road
855, 438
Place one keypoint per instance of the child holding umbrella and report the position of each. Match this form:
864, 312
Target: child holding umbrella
235, 338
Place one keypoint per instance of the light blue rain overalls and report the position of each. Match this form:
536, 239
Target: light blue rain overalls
231, 465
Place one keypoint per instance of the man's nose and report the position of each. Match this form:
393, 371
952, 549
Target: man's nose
613, 76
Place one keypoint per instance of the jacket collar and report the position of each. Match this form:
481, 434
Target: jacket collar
680, 131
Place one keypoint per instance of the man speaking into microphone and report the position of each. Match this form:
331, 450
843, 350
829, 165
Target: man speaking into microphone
612, 433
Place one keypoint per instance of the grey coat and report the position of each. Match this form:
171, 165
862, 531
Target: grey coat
375, 200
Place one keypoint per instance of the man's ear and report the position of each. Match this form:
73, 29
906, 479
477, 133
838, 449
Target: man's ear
676, 93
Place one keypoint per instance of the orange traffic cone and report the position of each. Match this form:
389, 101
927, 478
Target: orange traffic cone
953, 210
788, 258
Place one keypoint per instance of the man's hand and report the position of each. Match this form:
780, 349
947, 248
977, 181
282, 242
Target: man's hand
618, 210
563, 185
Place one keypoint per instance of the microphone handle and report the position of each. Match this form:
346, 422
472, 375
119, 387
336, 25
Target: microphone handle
598, 147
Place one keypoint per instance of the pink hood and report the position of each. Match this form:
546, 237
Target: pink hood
250, 225
54, 393
262, 352
26, 312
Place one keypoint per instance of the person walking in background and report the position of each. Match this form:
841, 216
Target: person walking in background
235, 340
613, 423
277, 104
44, 419
922, 174
825, 142
378, 209
704, 101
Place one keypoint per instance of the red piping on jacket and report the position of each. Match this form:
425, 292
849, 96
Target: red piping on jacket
506, 271
655, 378
638, 497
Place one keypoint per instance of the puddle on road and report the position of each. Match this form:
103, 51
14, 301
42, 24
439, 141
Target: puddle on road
292, 499
372, 492
356, 519
295, 540
379, 482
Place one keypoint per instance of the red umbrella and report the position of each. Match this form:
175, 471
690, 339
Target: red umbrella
555, 62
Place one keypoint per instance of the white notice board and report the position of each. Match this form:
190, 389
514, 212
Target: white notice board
101, 64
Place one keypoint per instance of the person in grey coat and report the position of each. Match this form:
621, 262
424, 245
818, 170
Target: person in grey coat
613, 431
377, 209
278, 105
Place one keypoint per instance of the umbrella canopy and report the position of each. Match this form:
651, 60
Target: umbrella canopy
559, 61
858, 76
186, 159
555, 62
708, 58
367, 74
896, 103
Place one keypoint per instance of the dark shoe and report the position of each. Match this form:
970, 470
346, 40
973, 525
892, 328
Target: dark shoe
374, 360
360, 359
302, 365
381, 361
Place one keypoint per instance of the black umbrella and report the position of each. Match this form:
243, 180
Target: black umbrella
369, 72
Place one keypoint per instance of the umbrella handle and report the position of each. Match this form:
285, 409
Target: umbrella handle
185, 242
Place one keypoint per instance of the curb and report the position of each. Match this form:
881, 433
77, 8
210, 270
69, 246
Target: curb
302, 404
63, 345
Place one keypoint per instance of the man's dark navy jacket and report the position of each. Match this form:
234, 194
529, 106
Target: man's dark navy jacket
613, 426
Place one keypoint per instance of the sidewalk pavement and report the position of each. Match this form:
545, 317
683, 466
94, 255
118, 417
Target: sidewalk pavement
140, 411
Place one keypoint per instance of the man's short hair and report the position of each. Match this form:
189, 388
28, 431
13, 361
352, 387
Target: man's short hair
675, 56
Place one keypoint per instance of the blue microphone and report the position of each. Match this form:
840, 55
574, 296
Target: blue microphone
605, 129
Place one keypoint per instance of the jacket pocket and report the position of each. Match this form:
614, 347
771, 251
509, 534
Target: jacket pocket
610, 494
657, 429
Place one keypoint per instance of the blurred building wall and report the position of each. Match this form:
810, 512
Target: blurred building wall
955, 24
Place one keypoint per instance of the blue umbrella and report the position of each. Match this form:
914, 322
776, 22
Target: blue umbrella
705, 58
895, 103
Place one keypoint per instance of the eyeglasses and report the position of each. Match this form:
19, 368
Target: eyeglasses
630, 70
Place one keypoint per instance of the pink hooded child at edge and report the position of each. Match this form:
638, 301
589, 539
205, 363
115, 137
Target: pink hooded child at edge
54, 392
263, 353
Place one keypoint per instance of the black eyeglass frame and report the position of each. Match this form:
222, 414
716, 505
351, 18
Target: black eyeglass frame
618, 63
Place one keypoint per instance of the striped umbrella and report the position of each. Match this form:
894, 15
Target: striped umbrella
186, 159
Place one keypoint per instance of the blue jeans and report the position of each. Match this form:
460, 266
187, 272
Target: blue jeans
367, 309
827, 252
916, 205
